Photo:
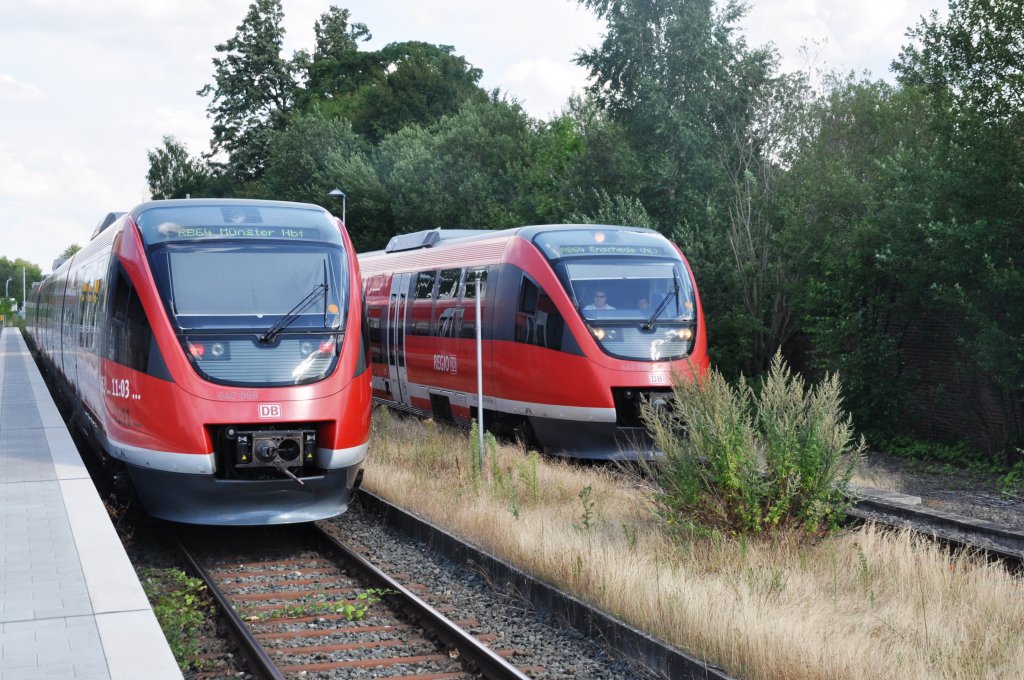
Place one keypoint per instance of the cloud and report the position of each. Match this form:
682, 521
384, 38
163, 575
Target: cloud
543, 84
14, 91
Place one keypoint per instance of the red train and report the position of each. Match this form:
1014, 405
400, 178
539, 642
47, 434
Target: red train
580, 325
216, 351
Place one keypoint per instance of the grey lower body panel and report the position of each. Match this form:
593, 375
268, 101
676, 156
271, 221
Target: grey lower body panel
597, 441
204, 499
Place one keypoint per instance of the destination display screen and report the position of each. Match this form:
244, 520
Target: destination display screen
590, 249
237, 222
597, 242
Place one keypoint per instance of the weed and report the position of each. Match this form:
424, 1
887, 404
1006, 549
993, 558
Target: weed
630, 533
528, 473
865, 574
180, 604
1012, 483
751, 463
586, 498
351, 610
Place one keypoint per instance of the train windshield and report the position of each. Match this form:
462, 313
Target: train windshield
631, 288
254, 287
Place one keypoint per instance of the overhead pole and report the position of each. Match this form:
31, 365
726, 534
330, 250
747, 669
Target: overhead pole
479, 373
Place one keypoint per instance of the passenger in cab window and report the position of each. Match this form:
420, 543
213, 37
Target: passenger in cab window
600, 301
643, 304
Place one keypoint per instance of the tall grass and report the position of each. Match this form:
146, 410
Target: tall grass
861, 603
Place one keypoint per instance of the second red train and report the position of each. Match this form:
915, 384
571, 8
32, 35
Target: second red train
580, 325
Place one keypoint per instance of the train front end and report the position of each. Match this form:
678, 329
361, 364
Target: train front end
252, 404
639, 326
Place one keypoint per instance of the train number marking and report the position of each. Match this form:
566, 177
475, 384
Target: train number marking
122, 389
446, 363
269, 411
657, 378
237, 395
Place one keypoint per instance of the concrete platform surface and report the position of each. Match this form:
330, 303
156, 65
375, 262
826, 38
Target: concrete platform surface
71, 605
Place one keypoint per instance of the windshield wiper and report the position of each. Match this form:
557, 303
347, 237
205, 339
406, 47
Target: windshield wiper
664, 301
294, 313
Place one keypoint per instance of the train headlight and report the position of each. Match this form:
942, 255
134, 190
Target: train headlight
598, 333
306, 347
217, 349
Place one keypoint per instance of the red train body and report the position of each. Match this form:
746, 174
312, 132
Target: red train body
215, 350
570, 374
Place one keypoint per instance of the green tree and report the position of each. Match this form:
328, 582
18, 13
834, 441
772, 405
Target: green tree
173, 173
466, 170
318, 153
420, 83
253, 91
15, 270
854, 201
337, 67
970, 68
679, 79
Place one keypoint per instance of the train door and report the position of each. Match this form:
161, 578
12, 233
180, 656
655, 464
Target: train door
398, 308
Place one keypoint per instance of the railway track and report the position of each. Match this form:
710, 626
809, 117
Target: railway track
894, 510
299, 603
294, 628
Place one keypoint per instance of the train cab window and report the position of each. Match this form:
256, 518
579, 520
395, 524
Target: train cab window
537, 319
422, 304
130, 336
475, 279
446, 309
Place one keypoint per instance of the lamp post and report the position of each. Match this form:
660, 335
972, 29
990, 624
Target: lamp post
339, 194
7, 286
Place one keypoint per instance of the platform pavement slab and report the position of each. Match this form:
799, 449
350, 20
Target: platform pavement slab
72, 606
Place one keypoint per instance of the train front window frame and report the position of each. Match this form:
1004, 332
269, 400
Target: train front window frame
635, 270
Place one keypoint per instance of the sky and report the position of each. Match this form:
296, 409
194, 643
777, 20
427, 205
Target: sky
86, 88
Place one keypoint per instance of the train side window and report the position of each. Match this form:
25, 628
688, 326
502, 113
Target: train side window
475, 278
424, 285
537, 319
422, 304
446, 309
373, 323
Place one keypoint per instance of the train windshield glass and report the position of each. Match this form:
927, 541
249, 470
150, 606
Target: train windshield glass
629, 290
252, 287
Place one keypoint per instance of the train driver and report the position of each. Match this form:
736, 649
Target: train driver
600, 301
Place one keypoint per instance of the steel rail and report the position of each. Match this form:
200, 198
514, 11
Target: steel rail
989, 537
481, 658
260, 664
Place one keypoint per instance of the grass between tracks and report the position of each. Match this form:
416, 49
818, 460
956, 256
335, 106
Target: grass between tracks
864, 603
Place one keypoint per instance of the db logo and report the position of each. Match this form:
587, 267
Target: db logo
270, 411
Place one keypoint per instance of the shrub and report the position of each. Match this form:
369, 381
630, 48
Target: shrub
746, 462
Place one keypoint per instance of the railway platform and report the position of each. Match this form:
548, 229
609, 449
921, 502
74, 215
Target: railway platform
71, 605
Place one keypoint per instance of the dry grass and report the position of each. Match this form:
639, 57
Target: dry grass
863, 604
